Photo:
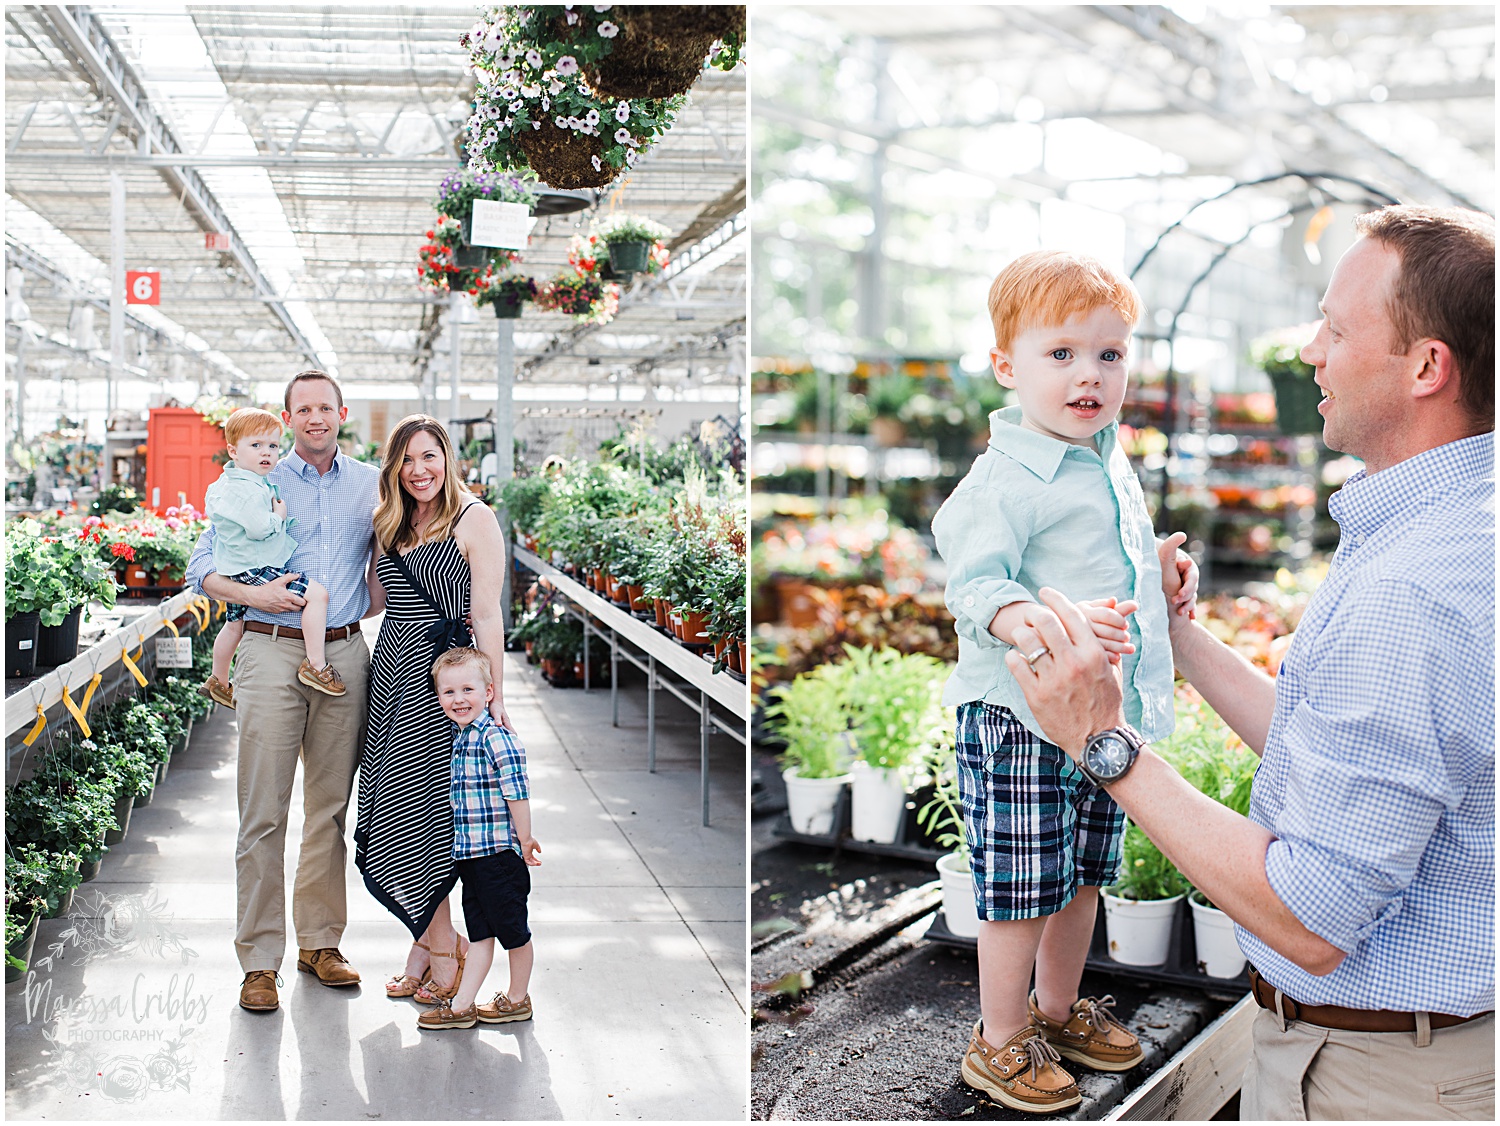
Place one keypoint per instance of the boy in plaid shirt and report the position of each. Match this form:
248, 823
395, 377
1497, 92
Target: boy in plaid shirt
492, 842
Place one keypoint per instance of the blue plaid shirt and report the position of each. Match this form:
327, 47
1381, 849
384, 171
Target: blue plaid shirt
489, 769
334, 531
1378, 778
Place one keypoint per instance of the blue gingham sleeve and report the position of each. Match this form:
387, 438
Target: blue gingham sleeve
1370, 775
981, 543
508, 758
201, 563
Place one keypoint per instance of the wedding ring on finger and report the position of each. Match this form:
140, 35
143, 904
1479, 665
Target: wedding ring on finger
1033, 658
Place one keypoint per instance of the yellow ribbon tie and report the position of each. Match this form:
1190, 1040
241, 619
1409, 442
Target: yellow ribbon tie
89, 694
197, 613
78, 716
171, 625
140, 677
41, 722
220, 608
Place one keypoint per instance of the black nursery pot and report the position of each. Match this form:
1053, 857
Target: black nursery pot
57, 645
21, 632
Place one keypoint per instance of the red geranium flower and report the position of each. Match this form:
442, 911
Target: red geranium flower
122, 551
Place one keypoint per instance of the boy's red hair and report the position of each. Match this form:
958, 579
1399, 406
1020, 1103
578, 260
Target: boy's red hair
1046, 287
250, 420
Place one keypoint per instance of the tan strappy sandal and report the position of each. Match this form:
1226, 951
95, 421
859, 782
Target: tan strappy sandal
430, 994
403, 984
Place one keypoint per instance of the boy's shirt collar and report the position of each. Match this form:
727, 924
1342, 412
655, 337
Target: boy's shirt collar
478, 723
1037, 452
235, 473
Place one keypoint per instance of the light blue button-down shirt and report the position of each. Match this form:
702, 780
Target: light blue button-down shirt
247, 532
1378, 778
334, 531
1035, 511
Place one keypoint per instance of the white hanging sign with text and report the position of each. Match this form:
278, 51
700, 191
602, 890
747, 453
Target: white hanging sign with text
505, 225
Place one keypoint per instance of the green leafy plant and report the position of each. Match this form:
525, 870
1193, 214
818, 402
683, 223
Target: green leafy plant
942, 818
558, 639
624, 227
40, 878
1279, 352
524, 497
115, 497
1146, 873
811, 717
894, 701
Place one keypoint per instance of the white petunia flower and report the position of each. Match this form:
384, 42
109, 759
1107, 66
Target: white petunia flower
603, 7
622, 111
508, 93
592, 117
512, 77
508, 123
546, 104
484, 76
534, 59
536, 124
560, 122
574, 123
608, 30
531, 89
557, 86
572, 18
622, 136
630, 157
567, 65
517, 106
597, 166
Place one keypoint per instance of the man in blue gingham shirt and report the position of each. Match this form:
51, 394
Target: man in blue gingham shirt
1363, 882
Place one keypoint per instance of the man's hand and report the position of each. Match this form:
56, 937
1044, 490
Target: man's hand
531, 851
1072, 688
274, 597
1107, 619
1179, 576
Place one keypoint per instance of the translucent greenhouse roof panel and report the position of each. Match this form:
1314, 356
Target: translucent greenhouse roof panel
321, 135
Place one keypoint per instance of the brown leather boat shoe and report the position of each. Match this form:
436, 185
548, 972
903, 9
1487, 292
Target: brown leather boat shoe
328, 966
1091, 1036
258, 991
1022, 1073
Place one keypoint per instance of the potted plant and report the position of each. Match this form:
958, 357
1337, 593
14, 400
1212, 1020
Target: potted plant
461, 187
507, 293
809, 715
895, 709
942, 818
83, 578
629, 240
884, 400
29, 586
1278, 354
559, 643
1140, 906
1212, 758
523, 497
585, 299
23, 911
62, 810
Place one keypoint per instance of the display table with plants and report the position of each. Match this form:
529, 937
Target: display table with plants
81, 775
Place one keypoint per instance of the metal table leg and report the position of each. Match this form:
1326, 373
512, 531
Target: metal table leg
703, 732
586, 650
614, 678
651, 717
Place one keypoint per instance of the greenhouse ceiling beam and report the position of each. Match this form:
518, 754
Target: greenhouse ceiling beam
101, 64
340, 161
1331, 126
29, 260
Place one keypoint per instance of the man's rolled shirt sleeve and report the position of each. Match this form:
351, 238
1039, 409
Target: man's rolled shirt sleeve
1369, 778
201, 562
982, 544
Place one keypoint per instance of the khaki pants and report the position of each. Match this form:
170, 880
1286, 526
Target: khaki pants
278, 717
1307, 1073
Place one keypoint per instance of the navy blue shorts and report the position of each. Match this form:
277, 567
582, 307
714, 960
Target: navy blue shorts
1038, 830
260, 576
495, 891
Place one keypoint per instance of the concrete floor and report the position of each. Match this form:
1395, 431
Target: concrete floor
640, 983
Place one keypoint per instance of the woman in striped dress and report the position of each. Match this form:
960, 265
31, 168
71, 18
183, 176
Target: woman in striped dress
403, 834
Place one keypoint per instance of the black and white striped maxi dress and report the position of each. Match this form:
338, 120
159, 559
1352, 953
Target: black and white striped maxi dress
403, 833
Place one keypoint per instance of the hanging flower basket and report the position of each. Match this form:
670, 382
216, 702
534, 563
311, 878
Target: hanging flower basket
660, 49
1278, 354
629, 257
507, 294
565, 158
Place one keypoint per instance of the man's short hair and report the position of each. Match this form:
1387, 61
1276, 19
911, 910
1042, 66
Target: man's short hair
251, 420
1046, 287
304, 376
463, 655
1445, 290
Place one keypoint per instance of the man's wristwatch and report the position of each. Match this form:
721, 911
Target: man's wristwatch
1109, 755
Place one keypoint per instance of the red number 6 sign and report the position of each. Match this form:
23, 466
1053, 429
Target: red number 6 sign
143, 287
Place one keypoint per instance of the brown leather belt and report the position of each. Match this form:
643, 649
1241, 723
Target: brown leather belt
1349, 1020
338, 634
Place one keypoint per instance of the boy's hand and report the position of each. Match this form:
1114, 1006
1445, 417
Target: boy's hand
1107, 619
531, 851
278, 506
1179, 575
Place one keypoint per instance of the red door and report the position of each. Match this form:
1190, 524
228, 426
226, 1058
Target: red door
180, 449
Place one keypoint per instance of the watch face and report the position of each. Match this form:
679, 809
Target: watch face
1108, 756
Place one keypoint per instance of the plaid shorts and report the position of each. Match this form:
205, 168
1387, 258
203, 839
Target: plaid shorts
1037, 828
260, 576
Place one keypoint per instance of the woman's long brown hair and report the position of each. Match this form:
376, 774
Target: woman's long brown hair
393, 515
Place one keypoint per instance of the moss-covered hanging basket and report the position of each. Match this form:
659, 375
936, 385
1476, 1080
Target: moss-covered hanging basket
660, 48
566, 159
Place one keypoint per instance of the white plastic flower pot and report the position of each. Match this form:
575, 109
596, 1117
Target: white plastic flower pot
810, 802
1219, 953
1139, 930
879, 803
959, 911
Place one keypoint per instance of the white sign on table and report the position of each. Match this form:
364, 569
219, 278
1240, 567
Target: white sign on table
506, 225
174, 652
